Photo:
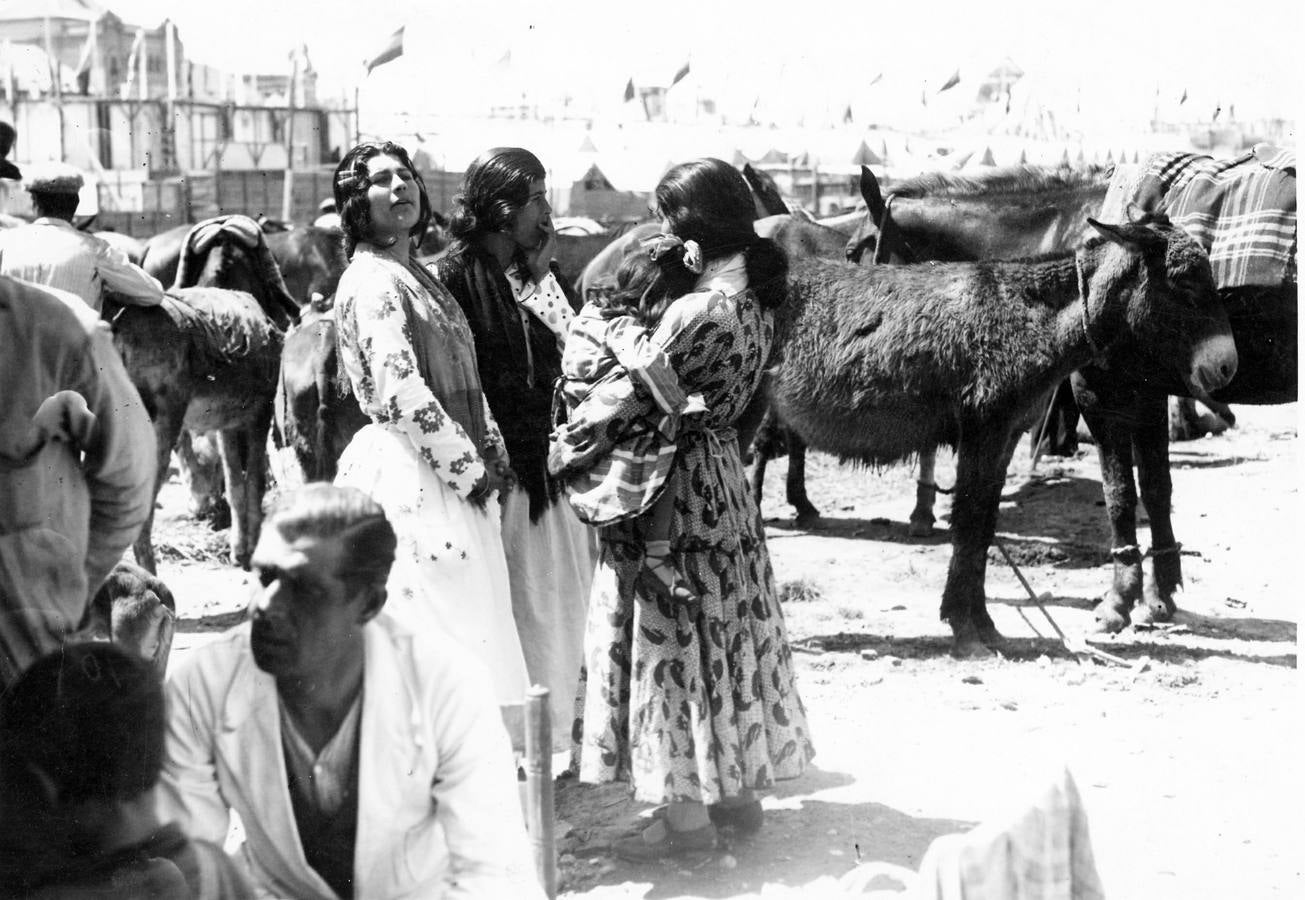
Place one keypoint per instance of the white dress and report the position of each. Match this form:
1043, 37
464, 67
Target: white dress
450, 576
550, 561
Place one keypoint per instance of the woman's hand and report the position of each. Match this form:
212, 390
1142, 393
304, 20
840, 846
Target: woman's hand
498, 477
540, 258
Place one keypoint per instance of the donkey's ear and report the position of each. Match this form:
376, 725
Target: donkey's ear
1109, 232
1128, 235
874, 200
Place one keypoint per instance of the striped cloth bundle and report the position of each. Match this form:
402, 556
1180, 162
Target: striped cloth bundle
1242, 210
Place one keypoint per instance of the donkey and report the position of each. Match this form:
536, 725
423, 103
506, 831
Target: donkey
1243, 212
206, 360
1002, 214
881, 363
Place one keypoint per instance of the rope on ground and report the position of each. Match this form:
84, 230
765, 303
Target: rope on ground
1076, 646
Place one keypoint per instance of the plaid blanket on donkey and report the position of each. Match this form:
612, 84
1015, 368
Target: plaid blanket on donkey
1242, 210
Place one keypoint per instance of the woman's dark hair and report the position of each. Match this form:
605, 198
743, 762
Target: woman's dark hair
90, 717
494, 189
626, 293
350, 186
708, 201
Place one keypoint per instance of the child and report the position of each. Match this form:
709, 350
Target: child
612, 477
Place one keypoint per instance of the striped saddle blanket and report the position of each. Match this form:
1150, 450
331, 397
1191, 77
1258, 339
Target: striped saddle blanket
1242, 210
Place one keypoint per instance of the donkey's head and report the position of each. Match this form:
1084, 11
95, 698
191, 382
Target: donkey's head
877, 239
1154, 280
230, 252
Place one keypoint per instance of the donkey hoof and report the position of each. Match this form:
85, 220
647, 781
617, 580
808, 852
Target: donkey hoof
968, 642
1109, 620
1150, 612
807, 517
920, 528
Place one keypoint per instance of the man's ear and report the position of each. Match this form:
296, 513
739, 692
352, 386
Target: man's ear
375, 600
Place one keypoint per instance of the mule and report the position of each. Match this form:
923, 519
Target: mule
1005, 213
877, 364
1123, 396
206, 359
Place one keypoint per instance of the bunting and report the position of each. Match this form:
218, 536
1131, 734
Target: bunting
680, 75
629, 90
951, 82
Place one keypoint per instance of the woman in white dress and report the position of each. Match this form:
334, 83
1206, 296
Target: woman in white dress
433, 456
500, 270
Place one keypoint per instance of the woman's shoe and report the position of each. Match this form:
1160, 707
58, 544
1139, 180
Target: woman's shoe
659, 841
673, 591
741, 818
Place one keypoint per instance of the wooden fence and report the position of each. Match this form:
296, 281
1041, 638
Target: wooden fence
145, 208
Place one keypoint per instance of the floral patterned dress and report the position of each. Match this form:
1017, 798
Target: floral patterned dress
697, 707
449, 576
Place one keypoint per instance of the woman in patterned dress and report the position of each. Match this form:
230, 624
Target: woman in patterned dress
433, 456
696, 706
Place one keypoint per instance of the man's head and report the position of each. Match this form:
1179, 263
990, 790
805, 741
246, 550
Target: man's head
54, 188
82, 728
7, 137
322, 558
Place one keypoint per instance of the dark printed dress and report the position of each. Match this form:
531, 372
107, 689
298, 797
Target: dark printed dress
697, 708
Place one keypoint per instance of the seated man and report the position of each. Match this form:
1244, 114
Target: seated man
52, 252
362, 760
81, 745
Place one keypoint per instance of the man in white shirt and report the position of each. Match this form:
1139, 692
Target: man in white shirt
52, 252
362, 760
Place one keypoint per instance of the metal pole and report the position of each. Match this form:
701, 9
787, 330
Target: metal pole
287, 188
539, 787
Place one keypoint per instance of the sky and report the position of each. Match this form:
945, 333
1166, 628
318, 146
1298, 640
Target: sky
788, 62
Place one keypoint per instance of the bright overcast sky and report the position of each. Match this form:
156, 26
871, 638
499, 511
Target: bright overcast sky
810, 54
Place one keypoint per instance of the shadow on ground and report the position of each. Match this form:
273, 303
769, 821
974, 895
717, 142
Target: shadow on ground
802, 840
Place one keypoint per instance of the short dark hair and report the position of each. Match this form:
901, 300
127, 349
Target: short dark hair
350, 186
626, 292
56, 205
494, 189
323, 510
91, 717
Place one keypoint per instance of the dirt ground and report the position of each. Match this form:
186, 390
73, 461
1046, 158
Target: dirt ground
1188, 760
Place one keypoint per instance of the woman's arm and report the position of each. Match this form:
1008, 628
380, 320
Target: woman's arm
403, 396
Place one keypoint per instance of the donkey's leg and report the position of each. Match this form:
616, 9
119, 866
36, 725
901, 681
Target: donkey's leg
982, 458
255, 481
1109, 412
795, 486
1151, 447
167, 428
233, 472
926, 492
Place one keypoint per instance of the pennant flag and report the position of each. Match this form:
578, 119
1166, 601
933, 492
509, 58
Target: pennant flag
951, 82
847, 114
878, 78
629, 90
392, 50
1183, 99
1218, 108
680, 75
924, 98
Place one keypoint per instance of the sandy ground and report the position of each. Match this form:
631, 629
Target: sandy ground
1188, 760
